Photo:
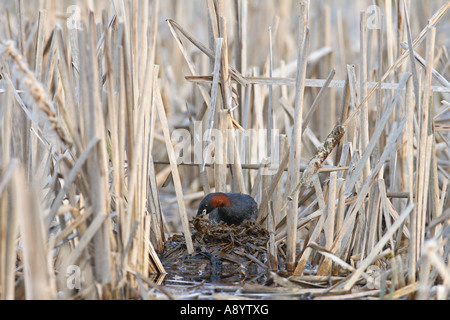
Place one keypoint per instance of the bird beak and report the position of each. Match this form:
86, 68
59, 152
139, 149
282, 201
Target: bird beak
199, 213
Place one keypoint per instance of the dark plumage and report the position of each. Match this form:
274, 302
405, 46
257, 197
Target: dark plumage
232, 208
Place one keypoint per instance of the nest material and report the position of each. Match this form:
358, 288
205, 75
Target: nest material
220, 250
210, 234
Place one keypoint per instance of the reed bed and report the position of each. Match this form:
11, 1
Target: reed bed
333, 115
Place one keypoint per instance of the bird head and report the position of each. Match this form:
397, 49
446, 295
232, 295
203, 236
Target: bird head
213, 201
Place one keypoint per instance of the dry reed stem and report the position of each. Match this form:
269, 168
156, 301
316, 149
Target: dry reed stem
174, 168
366, 186
325, 267
431, 22
213, 101
39, 279
378, 247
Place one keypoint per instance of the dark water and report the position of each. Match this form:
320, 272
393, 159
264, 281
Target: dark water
224, 274
198, 278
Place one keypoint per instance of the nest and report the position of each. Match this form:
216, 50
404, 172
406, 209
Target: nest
221, 251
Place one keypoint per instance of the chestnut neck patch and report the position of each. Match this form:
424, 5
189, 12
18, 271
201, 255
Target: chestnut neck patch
220, 200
